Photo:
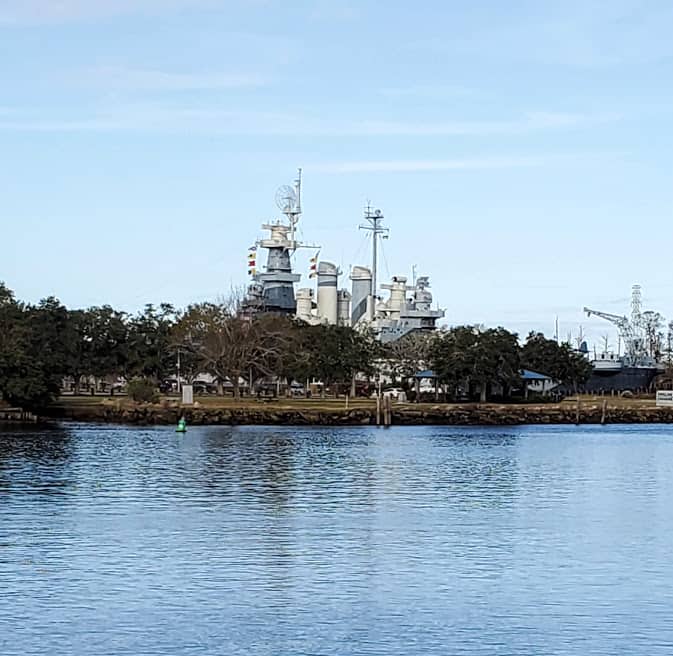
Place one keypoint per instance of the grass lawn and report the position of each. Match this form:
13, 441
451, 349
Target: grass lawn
334, 405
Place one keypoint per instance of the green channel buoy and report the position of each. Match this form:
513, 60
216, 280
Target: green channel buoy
182, 426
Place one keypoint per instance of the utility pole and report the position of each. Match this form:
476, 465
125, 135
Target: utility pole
374, 225
556, 333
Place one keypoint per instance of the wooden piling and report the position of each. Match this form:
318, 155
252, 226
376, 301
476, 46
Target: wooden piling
378, 409
388, 417
577, 413
605, 409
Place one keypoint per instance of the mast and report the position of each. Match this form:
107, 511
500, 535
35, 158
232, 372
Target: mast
275, 285
556, 333
296, 210
374, 225
288, 200
297, 186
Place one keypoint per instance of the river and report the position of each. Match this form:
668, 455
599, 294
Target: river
323, 541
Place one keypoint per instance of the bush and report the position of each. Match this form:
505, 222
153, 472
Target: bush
143, 390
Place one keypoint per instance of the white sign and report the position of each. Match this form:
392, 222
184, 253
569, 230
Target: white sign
187, 395
664, 398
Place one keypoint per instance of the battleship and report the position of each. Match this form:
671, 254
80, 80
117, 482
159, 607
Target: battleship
636, 368
407, 309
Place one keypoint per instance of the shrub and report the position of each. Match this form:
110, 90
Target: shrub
143, 390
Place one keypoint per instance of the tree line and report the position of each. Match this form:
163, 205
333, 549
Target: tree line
42, 344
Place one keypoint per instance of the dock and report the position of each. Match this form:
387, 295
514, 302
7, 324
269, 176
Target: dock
17, 415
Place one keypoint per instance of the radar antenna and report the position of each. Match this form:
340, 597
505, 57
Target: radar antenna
288, 200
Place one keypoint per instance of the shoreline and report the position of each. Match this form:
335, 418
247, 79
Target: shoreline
360, 413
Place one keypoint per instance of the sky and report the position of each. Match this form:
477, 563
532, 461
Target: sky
521, 152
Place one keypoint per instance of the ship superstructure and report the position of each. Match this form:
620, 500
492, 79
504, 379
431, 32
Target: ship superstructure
272, 289
636, 367
407, 309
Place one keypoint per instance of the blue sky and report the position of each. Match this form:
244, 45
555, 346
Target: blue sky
520, 151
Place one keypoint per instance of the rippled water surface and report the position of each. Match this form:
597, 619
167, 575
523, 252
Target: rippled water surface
428, 540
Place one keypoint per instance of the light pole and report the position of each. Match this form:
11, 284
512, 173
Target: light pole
179, 382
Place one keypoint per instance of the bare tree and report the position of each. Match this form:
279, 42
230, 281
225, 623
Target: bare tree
228, 344
408, 355
653, 322
669, 344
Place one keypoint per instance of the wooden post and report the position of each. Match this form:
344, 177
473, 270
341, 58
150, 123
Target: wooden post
378, 409
387, 410
347, 397
605, 408
577, 414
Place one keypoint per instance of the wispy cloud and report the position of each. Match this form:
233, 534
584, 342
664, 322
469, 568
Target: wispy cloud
20, 12
428, 165
155, 117
529, 122
576, 33
331, 10
426, 91
125, 79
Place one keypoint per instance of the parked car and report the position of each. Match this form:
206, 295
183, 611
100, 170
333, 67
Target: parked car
201, 387
394, 392
167, 385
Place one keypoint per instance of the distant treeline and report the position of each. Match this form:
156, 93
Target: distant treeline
41, 345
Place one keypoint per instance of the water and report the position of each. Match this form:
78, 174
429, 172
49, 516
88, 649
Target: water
429, 540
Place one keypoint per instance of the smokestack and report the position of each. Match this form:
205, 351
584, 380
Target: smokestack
327, 292
362, 287
305, 304
344, 307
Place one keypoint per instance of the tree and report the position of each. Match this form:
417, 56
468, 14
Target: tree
450, 357
654, 337
96, 343
150, 353
577, 369
499, 362
543, 355
336, 354
558, 361
465, 355
406, 356
79, 340
12, 341
110, 341
227, 344
290, 360
32, 360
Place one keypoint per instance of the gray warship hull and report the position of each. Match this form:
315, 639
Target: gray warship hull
630, 379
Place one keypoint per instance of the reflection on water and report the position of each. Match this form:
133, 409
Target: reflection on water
431, 540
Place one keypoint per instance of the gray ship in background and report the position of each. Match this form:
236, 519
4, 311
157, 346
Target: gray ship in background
407, 309
636, 368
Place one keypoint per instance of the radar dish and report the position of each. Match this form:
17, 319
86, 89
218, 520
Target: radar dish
286, 199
